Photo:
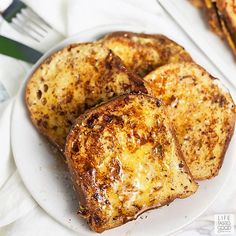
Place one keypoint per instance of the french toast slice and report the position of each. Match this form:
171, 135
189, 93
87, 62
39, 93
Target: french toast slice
124, 159
227, 13
72, 80
143, 53
202, 112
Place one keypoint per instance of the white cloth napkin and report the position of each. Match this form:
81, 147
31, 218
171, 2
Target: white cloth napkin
19, 213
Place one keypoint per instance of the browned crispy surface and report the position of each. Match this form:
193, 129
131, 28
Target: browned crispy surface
227, 12
198, 3
228, 37
124, 159
72, 80
213, 17
202, 111
142, 53
221, 17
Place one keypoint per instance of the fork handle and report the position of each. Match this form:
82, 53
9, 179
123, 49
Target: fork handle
12, 10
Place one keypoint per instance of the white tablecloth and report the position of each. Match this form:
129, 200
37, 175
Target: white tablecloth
19, 213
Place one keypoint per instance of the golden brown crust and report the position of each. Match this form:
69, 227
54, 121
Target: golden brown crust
226, 144
213, 18
202, 111
180, 153
221, 17
197, 3
70, 81
227, 13
142, 53
124, 160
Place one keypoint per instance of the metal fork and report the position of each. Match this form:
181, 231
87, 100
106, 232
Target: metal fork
23, 19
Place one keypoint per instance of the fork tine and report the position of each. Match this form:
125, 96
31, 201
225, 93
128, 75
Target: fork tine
33, 14
35, 20
38, 25
18, 27
28, 25
27, 22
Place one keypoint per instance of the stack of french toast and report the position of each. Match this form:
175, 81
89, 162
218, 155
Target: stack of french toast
138, 121
221, 17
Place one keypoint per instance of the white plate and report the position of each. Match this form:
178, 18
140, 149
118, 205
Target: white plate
46, 176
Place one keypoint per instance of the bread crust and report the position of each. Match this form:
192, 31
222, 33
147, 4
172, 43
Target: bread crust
213, 18
226, 145
228, 22
220, 17
142, 52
